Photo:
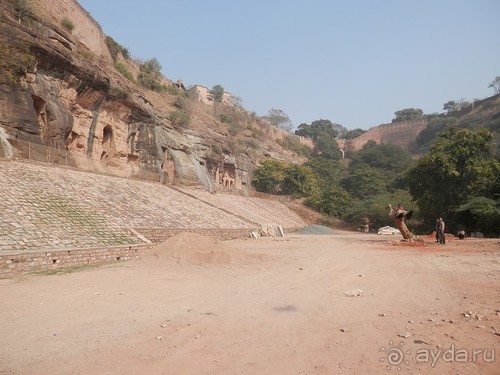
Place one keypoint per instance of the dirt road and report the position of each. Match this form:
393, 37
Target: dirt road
347, 303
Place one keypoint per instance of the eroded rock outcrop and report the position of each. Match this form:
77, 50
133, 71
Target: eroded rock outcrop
59, 89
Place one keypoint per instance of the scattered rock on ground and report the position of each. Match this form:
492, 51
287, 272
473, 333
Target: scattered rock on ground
354, 293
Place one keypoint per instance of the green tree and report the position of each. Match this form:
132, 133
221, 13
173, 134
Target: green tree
304, 130
386, 157
328, 172
278, 177
364, 183
217, 93
451, 106
427, 136
353, 133
341, 130
280, 119
332, 200
317, 129
269, 176
408, 114
323, 134
327, 147
150, 75
374, 210
495, 84
480, 214
300, 181
460, 165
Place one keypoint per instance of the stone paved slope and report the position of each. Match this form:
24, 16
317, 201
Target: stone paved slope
263, 211
50, 208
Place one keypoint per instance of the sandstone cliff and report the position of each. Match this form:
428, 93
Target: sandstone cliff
60, 88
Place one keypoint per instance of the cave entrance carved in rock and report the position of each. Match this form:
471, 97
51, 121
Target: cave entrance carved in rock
108, 145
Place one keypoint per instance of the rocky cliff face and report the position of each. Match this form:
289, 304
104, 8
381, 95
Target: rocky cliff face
59, 88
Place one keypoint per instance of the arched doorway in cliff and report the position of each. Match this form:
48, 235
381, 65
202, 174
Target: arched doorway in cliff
167, 167
108, 145
41, 113
228, 176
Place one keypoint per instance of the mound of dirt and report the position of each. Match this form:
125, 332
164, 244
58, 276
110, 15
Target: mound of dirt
316, 229
194, 249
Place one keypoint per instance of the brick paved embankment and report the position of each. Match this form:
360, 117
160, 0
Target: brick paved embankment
47, 208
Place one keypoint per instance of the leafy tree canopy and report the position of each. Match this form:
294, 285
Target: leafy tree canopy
217, 93
327, 147
459, 166
364, 183
386, 157
427, 136
323, 134
480, 214
269, 176
151, 66
332, 200
353, 133
150, 75
452, 106
300, 181
373, 209
280, 119
408, 114
328, 172
277, 177
495, 84
317, 129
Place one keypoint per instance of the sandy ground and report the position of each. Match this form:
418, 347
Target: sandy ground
196, 305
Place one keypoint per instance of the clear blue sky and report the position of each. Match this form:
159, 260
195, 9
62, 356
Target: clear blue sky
352, 62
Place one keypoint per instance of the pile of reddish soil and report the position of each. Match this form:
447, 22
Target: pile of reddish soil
194, 249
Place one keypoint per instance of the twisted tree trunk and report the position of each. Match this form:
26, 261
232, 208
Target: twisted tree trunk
400, 223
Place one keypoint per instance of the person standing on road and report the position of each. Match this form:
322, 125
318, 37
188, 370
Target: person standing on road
442, 227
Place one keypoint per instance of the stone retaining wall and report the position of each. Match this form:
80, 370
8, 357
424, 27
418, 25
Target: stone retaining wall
24, 263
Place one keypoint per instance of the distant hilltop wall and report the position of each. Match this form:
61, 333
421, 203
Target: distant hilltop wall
399, 133
476, 103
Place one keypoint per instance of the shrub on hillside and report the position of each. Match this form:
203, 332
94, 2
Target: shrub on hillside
150, 75
179, 118
293, 144
23, 9
124, 71
19, 61
115, 48
67, 24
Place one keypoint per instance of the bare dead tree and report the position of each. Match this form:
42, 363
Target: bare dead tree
399, 221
